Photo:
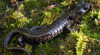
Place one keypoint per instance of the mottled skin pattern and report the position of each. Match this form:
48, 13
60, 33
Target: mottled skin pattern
42, 34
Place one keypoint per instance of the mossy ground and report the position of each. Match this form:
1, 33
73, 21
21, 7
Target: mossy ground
31, 13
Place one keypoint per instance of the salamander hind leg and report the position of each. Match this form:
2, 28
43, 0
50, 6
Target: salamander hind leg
71, 27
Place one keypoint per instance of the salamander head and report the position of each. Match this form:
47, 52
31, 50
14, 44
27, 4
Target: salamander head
83, 8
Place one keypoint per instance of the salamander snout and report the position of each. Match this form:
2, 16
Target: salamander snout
86, 7
83, 8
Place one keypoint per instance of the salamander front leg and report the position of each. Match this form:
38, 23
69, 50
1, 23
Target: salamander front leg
71, 27
68, 29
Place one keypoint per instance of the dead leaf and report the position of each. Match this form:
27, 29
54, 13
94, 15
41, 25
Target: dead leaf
12, 1
50, 6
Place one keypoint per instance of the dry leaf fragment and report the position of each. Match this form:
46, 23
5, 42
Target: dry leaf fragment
12, 1
50, 6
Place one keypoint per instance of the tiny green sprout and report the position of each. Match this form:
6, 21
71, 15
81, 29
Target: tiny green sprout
93, 13
27, 1
12, 25
61, 47
17, 15
33, 10
97, 22
57, 10
64, 3
21, 7
21, 20
99, 15
89, 50
47, 14
5, 24
28, 48
47, 17
70, 51
91, 39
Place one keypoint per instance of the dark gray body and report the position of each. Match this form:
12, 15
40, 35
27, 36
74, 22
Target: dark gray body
39, 34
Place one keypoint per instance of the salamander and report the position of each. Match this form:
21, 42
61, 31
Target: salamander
42, 34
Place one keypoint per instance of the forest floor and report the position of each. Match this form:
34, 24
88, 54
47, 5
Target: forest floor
29, 13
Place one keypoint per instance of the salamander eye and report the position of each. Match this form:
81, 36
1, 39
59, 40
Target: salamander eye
86, 7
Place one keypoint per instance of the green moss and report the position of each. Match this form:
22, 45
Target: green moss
90, 26
34, 13
81, 42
